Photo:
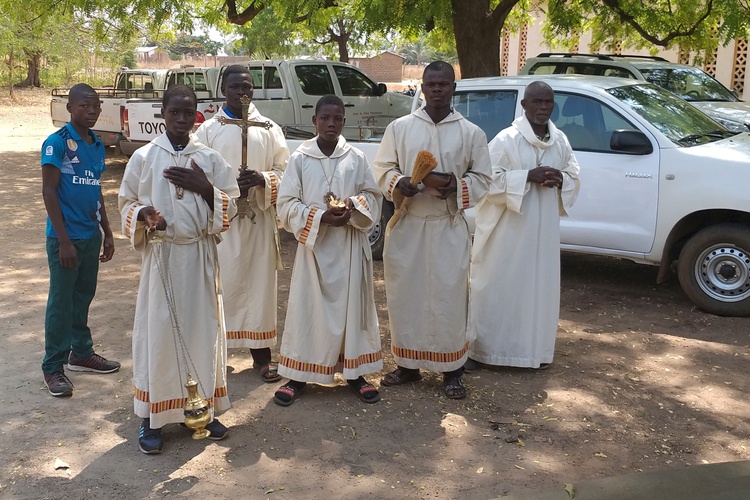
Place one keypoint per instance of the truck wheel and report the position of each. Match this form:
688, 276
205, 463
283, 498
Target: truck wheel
377, 232
714, 269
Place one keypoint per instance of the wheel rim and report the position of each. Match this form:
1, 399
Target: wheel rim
723, 273
374, 234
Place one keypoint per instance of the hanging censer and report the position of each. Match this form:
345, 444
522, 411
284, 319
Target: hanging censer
197, 415
196, 409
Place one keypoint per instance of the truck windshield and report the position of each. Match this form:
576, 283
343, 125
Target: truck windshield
672, 116
691, 84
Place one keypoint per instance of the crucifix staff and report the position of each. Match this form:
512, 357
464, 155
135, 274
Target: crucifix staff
243, 204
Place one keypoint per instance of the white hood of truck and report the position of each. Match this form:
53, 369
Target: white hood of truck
738, 112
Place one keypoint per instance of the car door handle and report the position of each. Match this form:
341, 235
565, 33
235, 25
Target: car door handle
348, 105
307, 106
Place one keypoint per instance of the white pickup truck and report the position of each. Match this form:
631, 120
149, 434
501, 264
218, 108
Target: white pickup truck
660, 181
286, 92
128, 83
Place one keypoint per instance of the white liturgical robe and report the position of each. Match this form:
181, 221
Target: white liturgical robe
515, 269
331, 321
182, 261
249, 253
426, 256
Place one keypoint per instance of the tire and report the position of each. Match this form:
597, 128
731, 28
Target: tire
714, 269
377, 232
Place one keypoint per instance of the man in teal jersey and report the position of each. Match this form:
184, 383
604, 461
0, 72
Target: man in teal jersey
72, 163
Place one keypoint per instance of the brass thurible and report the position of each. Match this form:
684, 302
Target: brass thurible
197, 414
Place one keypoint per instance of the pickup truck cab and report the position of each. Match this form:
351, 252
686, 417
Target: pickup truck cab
660, 181
690, 83
127, 83
286, 92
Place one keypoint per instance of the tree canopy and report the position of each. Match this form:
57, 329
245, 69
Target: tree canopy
291, 27
692, 25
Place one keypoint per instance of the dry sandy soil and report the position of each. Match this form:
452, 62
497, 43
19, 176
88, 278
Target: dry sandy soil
642, 381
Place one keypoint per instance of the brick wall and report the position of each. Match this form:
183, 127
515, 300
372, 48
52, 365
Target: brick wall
385, 67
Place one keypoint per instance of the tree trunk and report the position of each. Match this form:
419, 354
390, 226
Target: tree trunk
477, 30
32, 74
10, 72
342, 39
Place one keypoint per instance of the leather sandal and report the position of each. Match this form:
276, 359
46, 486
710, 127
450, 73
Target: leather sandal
400, 376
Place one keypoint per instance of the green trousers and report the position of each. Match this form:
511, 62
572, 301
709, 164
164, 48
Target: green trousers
71, 291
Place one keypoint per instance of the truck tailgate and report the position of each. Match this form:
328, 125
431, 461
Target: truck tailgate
145, 121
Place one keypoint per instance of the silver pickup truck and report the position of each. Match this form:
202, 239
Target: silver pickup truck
285, 91
661, 183
129, 83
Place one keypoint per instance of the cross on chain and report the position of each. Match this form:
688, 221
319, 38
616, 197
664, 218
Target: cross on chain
243, 204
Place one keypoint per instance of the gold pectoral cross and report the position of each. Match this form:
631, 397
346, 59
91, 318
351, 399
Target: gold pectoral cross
243, 204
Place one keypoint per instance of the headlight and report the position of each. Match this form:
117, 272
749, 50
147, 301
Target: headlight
732, 126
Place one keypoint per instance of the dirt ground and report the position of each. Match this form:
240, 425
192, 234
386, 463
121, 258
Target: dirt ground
642, 381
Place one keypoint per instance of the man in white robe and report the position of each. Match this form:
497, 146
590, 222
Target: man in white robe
515, 270
179, 259
426, 257
331, 322
249, 253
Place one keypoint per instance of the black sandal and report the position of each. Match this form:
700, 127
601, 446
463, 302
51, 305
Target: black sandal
269, 372
454, 388
366, 392
288, 393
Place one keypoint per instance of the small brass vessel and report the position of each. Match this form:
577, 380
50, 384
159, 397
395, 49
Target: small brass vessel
197, 414
331, 201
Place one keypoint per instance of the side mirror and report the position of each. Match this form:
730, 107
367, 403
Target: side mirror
382, 89
632, 142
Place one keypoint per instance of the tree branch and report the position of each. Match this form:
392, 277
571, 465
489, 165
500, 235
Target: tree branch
305, 17
246, 15
501, 11
663, 42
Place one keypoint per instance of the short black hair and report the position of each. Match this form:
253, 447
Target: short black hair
330, 99
234, 69
178, 91
441, 66
81, 91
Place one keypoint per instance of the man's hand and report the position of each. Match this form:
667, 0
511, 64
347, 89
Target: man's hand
153, 219
192, 179
451, 187
68, 254
545, 177
249, 179
109, 248
406, 187
337, 216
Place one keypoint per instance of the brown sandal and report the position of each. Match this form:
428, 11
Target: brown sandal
454, 388
400, 376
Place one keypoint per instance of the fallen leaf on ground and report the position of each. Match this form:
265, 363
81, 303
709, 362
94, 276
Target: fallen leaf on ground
600, 455
59, 464
571, 491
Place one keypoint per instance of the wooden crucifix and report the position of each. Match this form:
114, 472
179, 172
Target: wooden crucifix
243, 204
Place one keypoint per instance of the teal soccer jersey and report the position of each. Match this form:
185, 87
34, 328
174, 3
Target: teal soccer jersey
79, 191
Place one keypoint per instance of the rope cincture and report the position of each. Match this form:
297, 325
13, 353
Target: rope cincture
162, 265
